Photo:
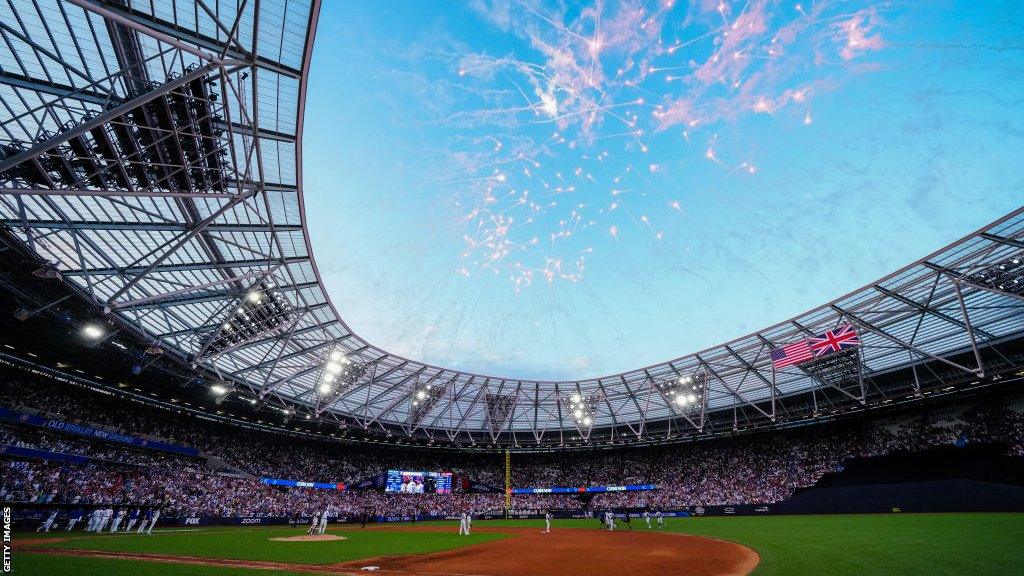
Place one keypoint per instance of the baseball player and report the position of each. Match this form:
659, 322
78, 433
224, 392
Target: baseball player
660, 516
45, 526
117, 520
469, 522
156, 516
463, 524
323, 520
74, 518
97, 522
314, 523
133, 517
647, 518
145, 520
108, 517
611, 519
547, 522
91, 525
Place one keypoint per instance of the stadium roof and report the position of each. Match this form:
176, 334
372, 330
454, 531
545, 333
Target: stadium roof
151, 155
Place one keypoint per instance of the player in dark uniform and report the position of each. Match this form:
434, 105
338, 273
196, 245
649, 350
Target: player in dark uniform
627, 519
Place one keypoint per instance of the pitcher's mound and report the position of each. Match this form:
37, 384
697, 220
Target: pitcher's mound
309, 538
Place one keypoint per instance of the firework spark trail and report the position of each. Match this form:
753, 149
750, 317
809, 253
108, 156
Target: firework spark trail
537, 213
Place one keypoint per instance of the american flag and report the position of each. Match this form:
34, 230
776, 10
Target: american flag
834, 340
792, 354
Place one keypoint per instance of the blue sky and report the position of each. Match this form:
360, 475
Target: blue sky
557, 191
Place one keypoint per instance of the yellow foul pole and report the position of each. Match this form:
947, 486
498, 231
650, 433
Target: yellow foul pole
508, 480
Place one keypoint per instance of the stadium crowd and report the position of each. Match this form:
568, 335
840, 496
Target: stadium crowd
748, 469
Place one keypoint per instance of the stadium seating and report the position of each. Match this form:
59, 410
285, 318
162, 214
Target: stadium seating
223, 479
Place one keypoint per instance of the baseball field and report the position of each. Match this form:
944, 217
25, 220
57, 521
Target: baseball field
933, 544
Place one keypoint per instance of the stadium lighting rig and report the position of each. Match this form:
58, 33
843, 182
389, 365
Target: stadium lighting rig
220, 391
1006, 276
93, 331
338, 374
685, 392
337, 366
422, 399
582, 408
261, 310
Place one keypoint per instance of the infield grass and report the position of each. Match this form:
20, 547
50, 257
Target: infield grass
254, 543
861, 545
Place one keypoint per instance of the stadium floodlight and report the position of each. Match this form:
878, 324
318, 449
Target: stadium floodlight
254, 297
421, 394
336, 356
219, 389
326, 388
578, 414
333, 367
93, 331
576, 398
587, 421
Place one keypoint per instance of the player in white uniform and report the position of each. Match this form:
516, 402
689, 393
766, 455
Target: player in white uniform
104, 520
117, 520
156, 516
101, 520
323, 520
661, 518
547, 522
45, 526
611, 519
647, 518
463, 524
314, 523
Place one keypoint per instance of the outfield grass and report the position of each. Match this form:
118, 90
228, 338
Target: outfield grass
866, 544
861, 545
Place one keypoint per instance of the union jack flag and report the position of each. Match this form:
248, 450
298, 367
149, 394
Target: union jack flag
792, 354
834, 340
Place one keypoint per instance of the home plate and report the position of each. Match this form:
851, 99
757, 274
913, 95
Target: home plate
309, 538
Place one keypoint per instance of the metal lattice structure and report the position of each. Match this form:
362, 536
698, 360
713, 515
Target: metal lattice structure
150, 156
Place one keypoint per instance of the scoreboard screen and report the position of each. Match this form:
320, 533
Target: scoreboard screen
408, 482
